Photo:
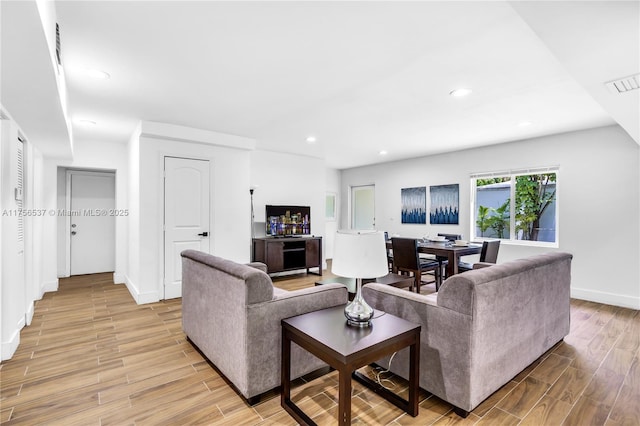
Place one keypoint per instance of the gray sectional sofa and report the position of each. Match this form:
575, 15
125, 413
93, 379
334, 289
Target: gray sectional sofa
232, 313
483, 326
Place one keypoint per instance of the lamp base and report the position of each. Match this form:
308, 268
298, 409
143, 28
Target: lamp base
358, 312
361, 324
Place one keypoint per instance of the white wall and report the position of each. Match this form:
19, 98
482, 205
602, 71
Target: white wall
288, 179
333, 187
33, 227
133, 155
599, 170
230, 206
2, 169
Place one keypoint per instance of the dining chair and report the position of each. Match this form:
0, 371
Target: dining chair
407, 260
389, 252
443, 260
488, 254
451, 237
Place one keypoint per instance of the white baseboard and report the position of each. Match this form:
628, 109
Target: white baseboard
605, 297
119, 278
28, 316
151, 297
131, 287
9, 347
48, 286
140, 298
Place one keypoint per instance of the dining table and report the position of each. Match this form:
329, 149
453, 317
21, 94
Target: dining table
447, 249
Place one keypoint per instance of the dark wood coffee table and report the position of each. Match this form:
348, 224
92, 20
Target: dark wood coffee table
325, 334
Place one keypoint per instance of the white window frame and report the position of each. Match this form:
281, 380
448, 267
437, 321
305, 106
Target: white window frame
512, 219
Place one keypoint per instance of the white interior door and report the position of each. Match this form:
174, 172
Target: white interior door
363, 207
92, 222
186, 216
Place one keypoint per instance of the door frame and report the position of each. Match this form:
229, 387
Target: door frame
67, 223
161, 255
351, 202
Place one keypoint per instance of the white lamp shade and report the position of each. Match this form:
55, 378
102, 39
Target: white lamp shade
359, 254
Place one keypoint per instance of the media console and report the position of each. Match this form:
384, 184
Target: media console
288, 253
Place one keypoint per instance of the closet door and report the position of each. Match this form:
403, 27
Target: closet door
13, 299
186, 216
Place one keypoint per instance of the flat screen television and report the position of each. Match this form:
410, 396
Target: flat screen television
288, 221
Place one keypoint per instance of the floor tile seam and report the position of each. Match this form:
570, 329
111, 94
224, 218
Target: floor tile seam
629, 367
370, 406
11, 409
582, 395
495, 407
501, 399
556, 379
53, 346
613, 404
37, 409
548, 396
55, 377
112, 400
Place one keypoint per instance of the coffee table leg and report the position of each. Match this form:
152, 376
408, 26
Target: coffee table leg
344, 398
414, 375
285, 372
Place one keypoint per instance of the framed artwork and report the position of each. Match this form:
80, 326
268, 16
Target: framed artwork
445, 204
414, 205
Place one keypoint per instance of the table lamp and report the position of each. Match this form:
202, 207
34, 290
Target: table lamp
359, 254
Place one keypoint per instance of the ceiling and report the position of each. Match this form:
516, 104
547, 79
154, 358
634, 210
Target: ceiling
361, 77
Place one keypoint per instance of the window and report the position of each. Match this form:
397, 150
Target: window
330, 206
531, 216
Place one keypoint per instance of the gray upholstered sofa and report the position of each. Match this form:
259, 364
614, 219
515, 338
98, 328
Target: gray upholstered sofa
483, 326
232, 313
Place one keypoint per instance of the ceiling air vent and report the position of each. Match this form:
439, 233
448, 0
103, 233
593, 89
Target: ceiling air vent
625, 84
58, 50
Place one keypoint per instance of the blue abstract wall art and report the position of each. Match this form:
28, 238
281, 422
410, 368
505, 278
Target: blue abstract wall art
414, 205
445, 202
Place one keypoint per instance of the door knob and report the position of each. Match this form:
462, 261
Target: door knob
73, 232
204, 234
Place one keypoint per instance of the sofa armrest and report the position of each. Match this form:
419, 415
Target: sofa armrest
480, 265
258, 265
286, 304
388, 296
264, 332
283, 295
441, 326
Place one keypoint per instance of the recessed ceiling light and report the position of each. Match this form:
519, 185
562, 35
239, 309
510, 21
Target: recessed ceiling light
383, 152
97, 74
463, 91
84, 122
311, 139
525, 123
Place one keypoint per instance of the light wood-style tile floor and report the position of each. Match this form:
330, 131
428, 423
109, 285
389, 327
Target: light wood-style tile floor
93, 357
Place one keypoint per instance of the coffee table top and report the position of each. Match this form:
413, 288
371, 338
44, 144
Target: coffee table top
328, 327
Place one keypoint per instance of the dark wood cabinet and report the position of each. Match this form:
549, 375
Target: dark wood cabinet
287, 254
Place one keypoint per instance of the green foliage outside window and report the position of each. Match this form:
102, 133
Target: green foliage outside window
533, 195
499, 221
